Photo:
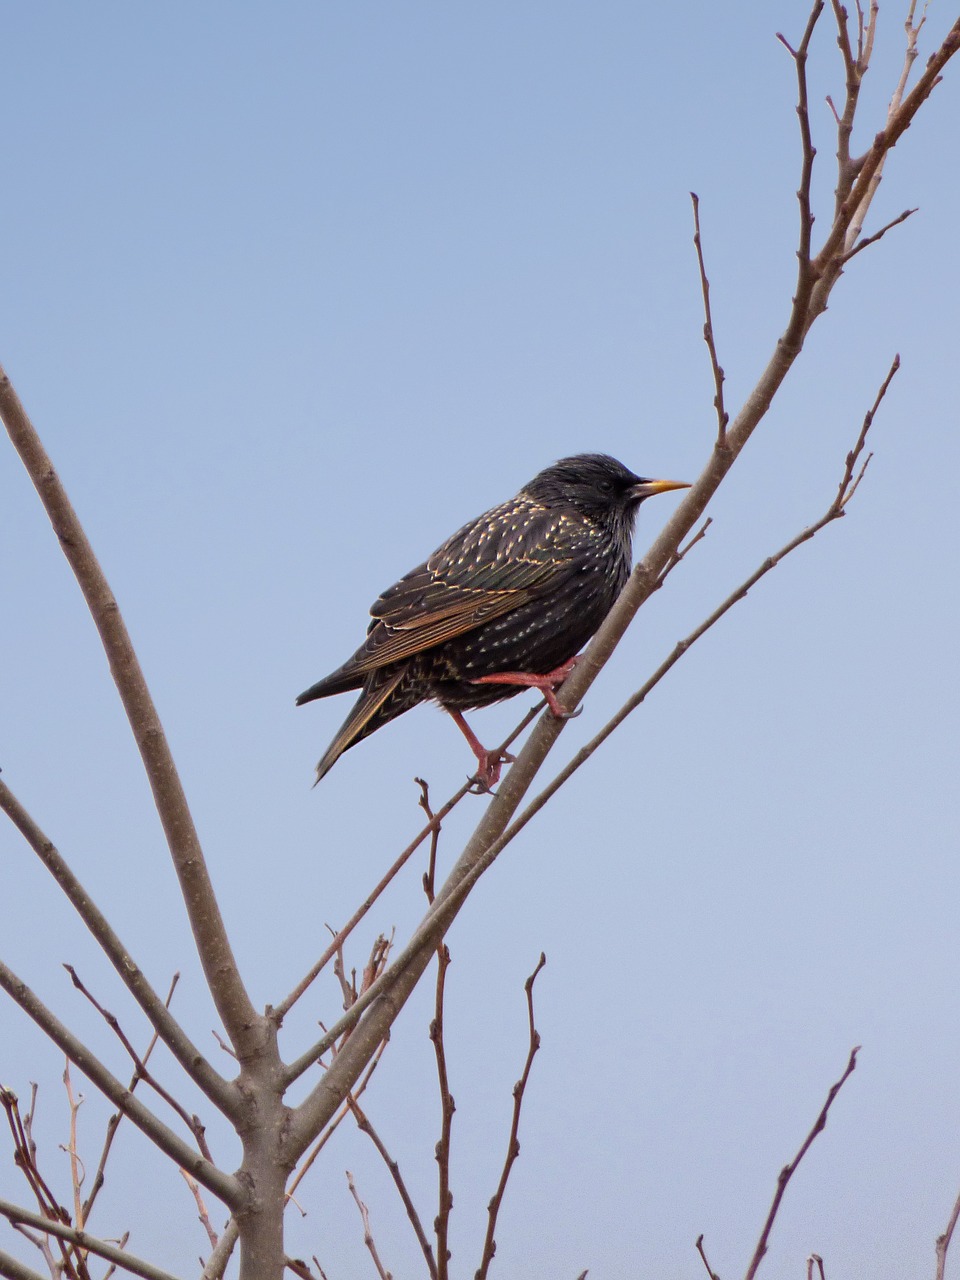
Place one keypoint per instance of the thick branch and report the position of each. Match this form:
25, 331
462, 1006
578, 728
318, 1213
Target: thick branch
219, 1091
221, 1184
223, 977
12, 1269
83, 1240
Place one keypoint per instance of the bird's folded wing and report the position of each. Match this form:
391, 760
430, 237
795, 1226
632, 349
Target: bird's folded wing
484, 571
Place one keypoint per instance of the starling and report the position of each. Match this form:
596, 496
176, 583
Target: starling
504, 604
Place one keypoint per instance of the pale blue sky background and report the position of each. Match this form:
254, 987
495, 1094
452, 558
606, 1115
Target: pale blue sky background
291, 293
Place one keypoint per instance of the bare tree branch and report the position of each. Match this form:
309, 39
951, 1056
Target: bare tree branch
203, 1074
217, 1262
384, 1002
878, 235
453, 893
11, 1269
943, 1241
702, 1252
193, 1123
331, 1128
364, 1125
223, 1185
226, 986
115, 1120
367, 1234
787, 1172
278, 1012
447, 1109
513, 1143
83, 1240
708, 335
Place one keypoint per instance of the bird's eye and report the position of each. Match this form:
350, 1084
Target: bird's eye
606, 486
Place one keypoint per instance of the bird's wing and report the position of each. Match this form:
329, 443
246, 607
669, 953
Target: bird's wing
513, 554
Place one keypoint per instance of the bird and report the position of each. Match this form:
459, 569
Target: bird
506, 603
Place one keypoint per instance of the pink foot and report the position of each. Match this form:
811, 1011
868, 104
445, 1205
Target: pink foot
547, 684
489, 763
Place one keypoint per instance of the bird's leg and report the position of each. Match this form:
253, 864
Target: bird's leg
489, 762
547, 684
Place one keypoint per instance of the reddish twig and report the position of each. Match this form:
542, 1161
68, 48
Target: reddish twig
943, 1241
815, 1261
447, 1108
367, 1235
278, 1012
702, 1252
364, 1125
787, 1172
513, 1144
193, 1122
202, 1213
708, 336
115, 1120
805, 271
331, 1128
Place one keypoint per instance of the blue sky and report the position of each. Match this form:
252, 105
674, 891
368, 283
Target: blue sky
291, 294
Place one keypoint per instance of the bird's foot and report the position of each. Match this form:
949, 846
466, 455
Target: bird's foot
488, 771
489, 763
547, 684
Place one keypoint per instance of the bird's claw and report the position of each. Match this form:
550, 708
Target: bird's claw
488, 773
560, 714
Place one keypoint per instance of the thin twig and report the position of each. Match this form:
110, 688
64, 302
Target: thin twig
943, 1241
376, 1014
815, 1261
787, 1172
364, 1125
447, 1109
708, 335
76, 1173
805, 272
331, 1128
278, 1012
221, 1184
202, 1213
193, 1122
878, 235
847, 488
116, 1119
367, 1235
513, 1144
702, 1252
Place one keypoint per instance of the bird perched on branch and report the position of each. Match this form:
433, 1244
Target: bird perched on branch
504, 604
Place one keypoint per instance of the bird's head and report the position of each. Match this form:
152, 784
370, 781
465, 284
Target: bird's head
597, 486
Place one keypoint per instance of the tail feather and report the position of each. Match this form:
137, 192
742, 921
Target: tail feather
338, 681
358, 723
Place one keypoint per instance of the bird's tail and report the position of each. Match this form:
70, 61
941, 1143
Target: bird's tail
359, 722
339, 681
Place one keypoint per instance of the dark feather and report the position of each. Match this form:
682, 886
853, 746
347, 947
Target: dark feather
520, 589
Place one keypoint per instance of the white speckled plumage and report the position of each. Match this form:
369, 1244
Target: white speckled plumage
520, 589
